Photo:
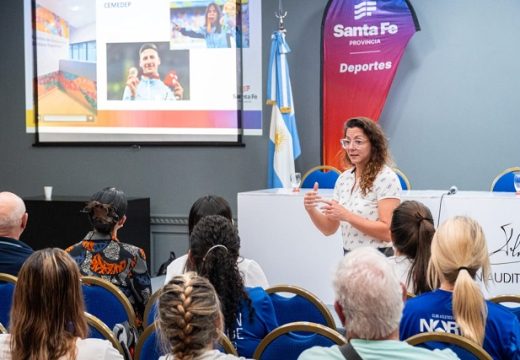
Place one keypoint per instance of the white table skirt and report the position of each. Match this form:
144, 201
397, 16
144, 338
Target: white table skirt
276, 231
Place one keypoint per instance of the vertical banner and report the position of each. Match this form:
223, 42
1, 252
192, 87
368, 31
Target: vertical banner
363, 42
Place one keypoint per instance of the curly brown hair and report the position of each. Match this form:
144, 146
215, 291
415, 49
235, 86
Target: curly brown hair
214, 250
379, 153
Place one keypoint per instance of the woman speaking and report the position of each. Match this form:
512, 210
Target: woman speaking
365, 195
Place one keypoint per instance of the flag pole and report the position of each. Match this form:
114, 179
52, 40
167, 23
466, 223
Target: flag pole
284, 144
280, 14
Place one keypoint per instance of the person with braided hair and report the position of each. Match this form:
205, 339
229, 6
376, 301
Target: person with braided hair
412, 231
189, 319
101, 253
248, 312
457, 304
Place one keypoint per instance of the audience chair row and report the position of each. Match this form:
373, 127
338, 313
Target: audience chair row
106, 306
291, 303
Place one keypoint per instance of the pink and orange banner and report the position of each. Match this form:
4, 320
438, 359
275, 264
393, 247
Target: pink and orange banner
363, 42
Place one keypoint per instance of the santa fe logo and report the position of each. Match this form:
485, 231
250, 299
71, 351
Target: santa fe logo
363, 9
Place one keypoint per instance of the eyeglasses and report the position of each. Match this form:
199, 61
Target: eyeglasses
346, 143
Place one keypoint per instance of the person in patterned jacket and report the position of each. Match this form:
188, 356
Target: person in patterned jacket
101, 253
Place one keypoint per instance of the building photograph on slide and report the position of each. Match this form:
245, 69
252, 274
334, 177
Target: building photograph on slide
147, 71
209, 24
66, 77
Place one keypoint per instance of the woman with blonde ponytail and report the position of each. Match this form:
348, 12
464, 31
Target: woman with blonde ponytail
457, 305
189, 319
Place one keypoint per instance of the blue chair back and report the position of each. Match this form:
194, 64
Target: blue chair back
150, 316
503, 182
106, 302
290, 340
150, 309
513, 303
324, 175
147, 347
403, 180
94, 333
516, 311
463, 347
99, 330
7, 284
301, 306
6, 301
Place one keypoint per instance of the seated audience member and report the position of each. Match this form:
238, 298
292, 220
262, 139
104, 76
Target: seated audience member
369, 301
193, 336
252, 273
47, 317
412, 232
13, 220
248, 312
456, 305
101, 253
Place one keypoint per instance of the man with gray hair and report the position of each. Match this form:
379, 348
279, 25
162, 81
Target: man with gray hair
13, 220
369, 302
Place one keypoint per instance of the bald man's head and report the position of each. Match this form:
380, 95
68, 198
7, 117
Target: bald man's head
13, 217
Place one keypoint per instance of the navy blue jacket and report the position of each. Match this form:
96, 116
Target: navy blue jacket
12, 255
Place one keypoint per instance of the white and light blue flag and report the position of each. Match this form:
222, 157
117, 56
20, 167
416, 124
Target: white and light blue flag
284, 143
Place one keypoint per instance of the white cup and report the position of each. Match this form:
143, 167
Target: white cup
47, 190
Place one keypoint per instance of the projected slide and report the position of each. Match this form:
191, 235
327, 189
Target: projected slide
140, 71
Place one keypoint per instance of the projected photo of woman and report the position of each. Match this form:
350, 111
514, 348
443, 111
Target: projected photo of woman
147, 71
207, 24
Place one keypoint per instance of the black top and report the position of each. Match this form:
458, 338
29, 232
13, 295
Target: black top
12, 255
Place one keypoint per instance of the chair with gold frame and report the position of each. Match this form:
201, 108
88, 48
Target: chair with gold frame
107, 302
225, 345
290, 340
508, 299
301, 306
150, 309
3, 330
324, 175
504, 182
409, 295
457, 340
403, 179
99, 330
7, 284
147, 347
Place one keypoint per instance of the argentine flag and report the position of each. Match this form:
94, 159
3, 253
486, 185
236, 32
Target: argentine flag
284, 143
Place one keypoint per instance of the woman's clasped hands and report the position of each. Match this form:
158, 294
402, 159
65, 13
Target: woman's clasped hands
330, 208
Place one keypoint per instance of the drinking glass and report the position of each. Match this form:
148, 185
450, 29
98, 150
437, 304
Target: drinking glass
516, 182
296, 179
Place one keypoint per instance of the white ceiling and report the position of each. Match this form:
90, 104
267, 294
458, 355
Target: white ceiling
77, 13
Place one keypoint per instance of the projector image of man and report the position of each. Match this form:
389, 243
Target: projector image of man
149, 86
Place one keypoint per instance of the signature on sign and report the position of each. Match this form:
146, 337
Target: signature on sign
511, 245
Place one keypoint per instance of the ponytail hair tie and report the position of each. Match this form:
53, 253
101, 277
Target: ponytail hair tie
212, 248
420, 218
463, 268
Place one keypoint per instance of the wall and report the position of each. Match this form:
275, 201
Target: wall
450, 116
